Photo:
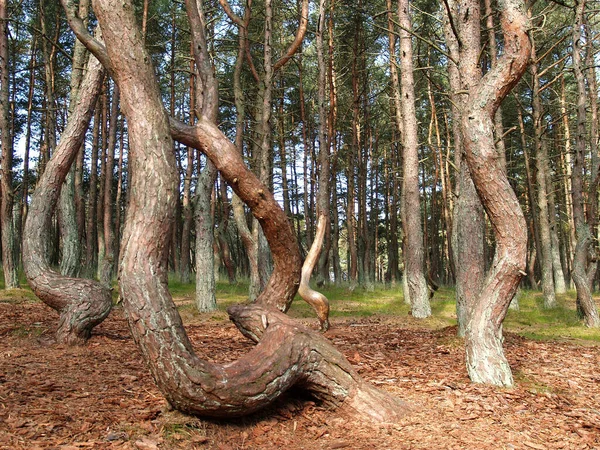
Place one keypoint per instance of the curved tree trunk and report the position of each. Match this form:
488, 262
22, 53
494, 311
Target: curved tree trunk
287, 354
469, 218
82, 304
315, 299
486, 362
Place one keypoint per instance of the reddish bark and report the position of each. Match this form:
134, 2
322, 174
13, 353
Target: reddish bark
486, 362
287, 354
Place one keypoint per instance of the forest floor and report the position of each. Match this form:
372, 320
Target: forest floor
101, 395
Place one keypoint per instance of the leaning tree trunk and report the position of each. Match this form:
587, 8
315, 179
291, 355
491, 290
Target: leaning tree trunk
486, 362
287, 354
82, 304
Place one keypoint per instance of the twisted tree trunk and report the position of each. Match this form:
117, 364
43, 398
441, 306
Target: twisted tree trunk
486, 362
82, 304
287, 354
315, 299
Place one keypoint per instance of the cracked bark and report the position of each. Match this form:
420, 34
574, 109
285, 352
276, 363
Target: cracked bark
486, 362
287, 354
82, 304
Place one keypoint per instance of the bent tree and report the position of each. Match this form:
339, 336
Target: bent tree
82, 304
286, 353
486, 362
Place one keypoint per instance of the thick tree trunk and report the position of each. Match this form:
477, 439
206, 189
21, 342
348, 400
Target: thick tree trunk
286, 354
411, 212
82, 304
468, 219
486, 362
9, 241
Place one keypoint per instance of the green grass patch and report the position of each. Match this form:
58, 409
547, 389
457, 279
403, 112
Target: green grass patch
532, 320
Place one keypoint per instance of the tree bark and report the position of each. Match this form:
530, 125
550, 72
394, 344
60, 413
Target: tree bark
542, 175
9, 242
82, 304
286, 354
323, 196
486, 362
411, 212
585, 255
468, 219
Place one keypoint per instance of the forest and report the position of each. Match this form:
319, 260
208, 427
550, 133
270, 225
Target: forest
263, 223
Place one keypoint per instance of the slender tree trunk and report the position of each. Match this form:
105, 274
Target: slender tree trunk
207, 101
91, 226
185, 263
568, 166
26, 181
323, 196
109, 260
119, 194
411, 213
9, 241
535, 232
103, 152
70, 263
584, 258
542, 175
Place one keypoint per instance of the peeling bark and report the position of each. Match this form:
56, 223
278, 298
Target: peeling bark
82, 304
